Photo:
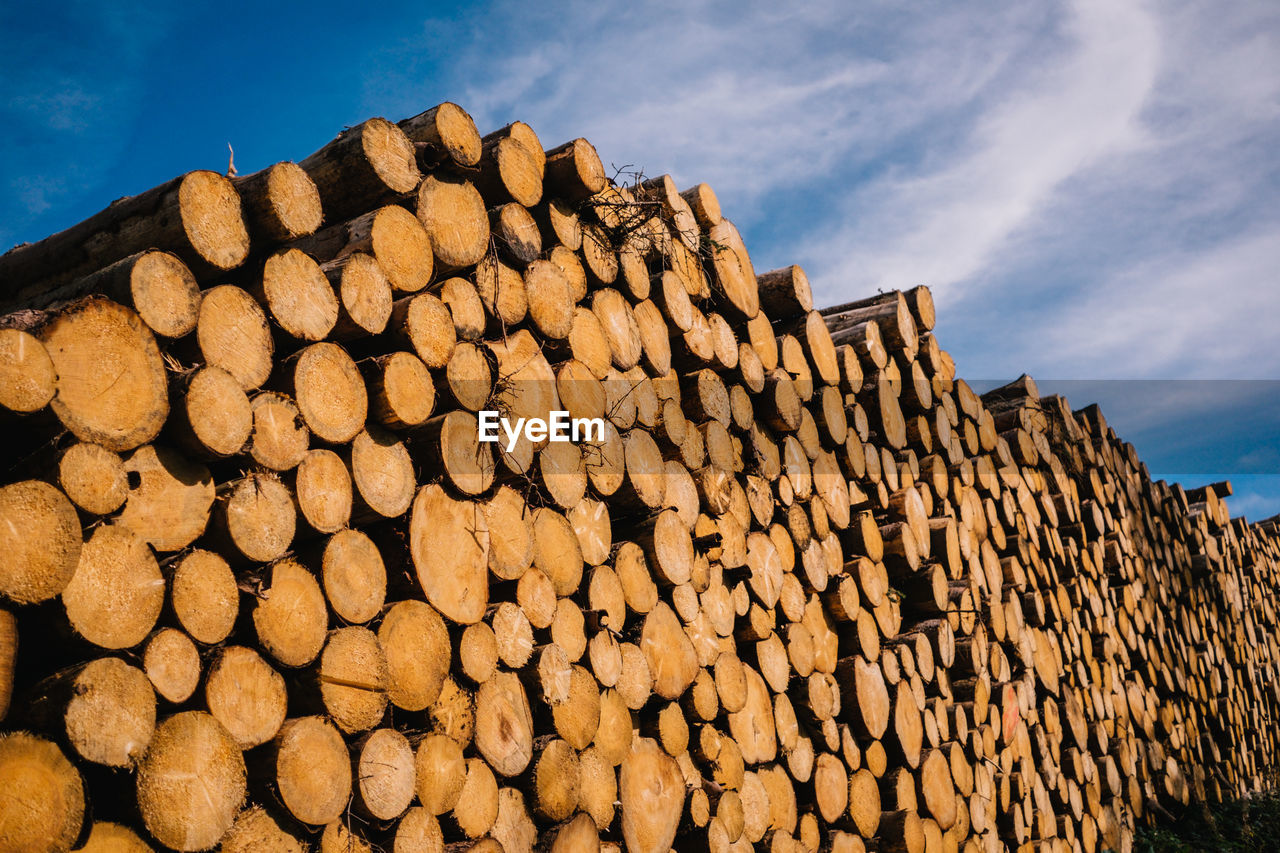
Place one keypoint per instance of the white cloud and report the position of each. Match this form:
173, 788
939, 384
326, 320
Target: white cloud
943, 227
753, 98
1207, 314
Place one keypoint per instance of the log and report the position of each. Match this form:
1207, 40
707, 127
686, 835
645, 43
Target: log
311, 770
280, 203
573, 171
191, 782
41, 536
232, 333
449, 542
172, 664
651, 794
105, 710
246, 695
120, 408
196, 216
364, 165
455, 218
383, 766
170, 501
445, 130
117, 592
47, 810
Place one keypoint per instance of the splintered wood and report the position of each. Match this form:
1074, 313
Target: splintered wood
265, 588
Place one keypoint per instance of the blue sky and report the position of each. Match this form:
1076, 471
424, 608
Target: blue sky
1091, 188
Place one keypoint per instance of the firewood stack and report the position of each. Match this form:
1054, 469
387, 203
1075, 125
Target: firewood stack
266, 590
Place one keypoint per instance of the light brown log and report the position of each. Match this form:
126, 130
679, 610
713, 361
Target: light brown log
246, 695
120, 408
418, 832
196, 216
328, 390
549, 299
280, 437
212, 415
504, 724
311, 770
734, 270
364, 295
280, 203
354, 576
401, 391
651, 794
449, 444
28, 379
258, 519
501, 289
937, 792
232, 333
191, 783
478, 652
105, 709
113, 838
93, 478
510, 171
671, 657
204, 596
322, 490
169, 499
338, 838
392, 235
416, 645
477, 806
257, 830
573, 171
44, 804
465, 307
172, 664
753, 727
352, 679
515, 232
449, 542
41, 538
383, 766
158, 285
423, 323
381, 472
454, 216
290, 618
445, 130
298, 295
785, 292
365, 165
117, 591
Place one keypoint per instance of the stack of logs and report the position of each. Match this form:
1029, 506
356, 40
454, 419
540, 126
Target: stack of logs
265, 589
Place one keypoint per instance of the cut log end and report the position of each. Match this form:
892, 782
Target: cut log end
28, 378
44, 804
191, 783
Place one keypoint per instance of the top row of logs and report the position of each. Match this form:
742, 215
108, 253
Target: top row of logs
215, 223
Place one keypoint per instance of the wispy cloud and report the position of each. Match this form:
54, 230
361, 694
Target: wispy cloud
754, 99
1206, 313
943, 226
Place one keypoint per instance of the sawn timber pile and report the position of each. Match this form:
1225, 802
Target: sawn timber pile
266, 591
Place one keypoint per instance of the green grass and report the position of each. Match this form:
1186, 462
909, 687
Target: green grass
1250, 825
